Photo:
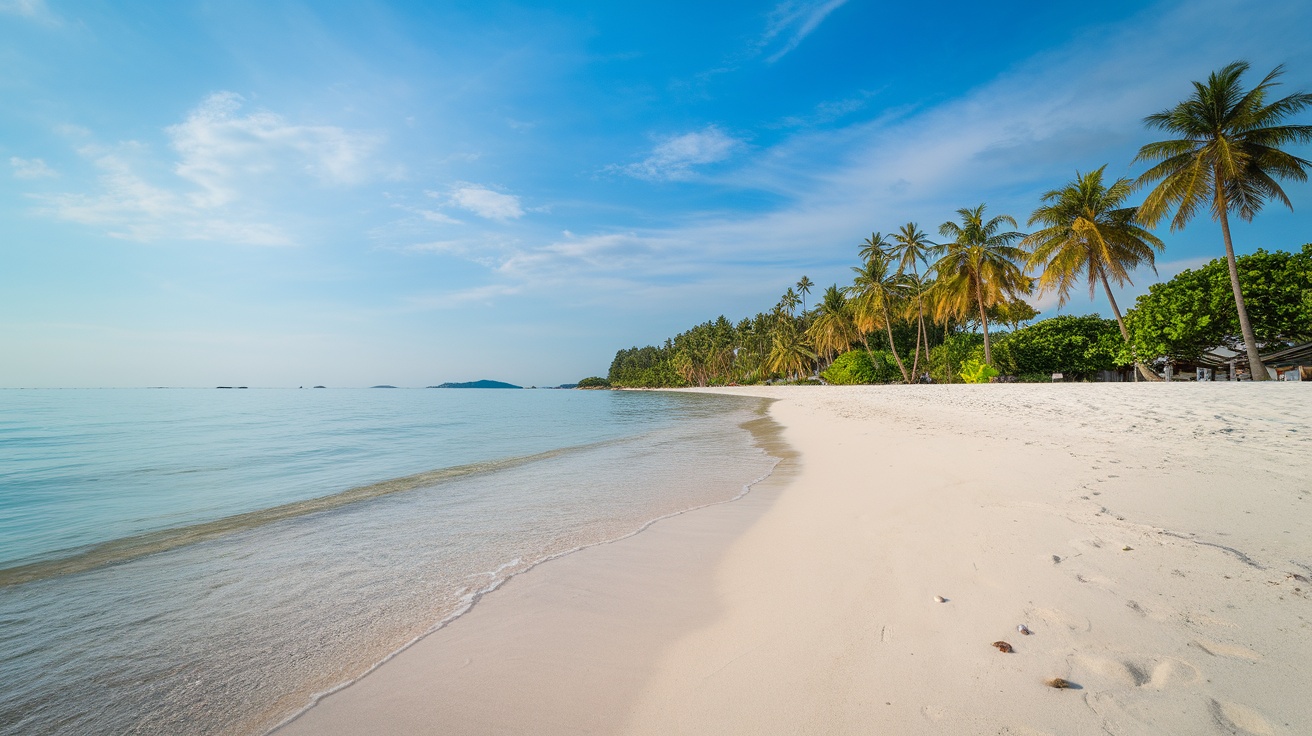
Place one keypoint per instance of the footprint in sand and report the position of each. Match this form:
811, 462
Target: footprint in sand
1131, 672
1238, 718
1217, 649
1053, 618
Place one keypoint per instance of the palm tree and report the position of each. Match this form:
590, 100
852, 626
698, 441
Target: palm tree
790, 300
1088, 234
876, 244
833, 329
1227, 158
911, 247
789, 354
876, 293
980, 267
804, 288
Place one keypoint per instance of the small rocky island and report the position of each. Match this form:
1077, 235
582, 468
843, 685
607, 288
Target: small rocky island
478, 384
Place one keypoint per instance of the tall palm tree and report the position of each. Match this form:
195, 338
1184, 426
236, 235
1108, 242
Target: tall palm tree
876, 293
833, 329
912, 247
790, 300
980, 267
1089, 235
804, 288
876, 244
1227, 158
789, 354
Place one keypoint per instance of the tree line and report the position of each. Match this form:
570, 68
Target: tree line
919, 308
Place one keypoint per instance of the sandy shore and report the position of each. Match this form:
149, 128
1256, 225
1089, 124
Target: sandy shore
1155, 539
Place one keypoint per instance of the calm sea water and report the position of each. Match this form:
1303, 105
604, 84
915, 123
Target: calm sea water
205, 561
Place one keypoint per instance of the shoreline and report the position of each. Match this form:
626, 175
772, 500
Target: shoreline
1154, 541
765, 433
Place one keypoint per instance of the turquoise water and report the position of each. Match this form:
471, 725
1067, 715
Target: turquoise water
193, 561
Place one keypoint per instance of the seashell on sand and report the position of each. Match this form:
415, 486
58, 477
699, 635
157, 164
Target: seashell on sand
940, 599
1022, 628
1003, 647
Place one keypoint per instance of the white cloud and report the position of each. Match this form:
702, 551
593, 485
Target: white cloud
486, 203
220, 150
230, 169
30, 9
791, 22
31, 168
674, 158
460, 297
440, 217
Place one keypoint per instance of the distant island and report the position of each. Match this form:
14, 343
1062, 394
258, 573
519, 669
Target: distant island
478, 384
383, 386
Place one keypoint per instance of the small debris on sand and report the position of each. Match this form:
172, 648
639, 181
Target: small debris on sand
1057, 682
1022, 628
1126, 548
940, 599
1003, 647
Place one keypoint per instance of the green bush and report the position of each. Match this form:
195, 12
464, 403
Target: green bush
594, 382
977, 371
860, 366
1076, 346
945, 360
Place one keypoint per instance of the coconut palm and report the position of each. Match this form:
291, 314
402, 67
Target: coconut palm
876, 293
876, 244
790, 300
980, 267
1227, 158
1089, 235
789, 354
910, 248
804, 288
833, 329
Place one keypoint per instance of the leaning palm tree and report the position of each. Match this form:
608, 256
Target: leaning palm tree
1089, 235
1227, 158
833, 329
876, 293
980, 267
912, 247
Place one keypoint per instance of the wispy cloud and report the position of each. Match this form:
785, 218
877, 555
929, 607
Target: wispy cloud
486, 203
36, 10
674, 158
227, 168
31, 168
789, 23
219, 149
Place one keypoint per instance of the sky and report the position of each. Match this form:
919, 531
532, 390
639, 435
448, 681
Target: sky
275, 193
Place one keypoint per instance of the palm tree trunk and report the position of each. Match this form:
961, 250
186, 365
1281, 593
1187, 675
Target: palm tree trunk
1256, 368
983, 320
1120, 321
915, 361
888, 325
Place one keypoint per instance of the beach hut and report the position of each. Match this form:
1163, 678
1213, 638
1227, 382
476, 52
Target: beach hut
1291, 363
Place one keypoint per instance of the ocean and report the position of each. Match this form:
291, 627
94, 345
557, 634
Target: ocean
187, 561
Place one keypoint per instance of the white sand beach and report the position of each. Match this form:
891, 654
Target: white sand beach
1156, 540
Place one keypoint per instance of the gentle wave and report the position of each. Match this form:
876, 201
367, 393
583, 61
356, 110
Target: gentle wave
767, 435
130, 548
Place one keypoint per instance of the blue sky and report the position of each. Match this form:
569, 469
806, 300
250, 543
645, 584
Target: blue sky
281, 193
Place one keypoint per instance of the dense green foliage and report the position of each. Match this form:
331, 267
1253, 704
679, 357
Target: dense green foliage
977, 371
862, 366
1195, 311
593, 382
1074, 346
